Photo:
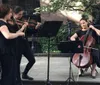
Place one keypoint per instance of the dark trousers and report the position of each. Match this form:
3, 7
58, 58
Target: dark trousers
8, 64
25, 49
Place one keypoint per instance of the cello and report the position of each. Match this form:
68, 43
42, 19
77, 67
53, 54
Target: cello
85, 59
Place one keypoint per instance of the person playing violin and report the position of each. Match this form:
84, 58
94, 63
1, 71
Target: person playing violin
23, 47
8, 46
22, 44
84, 28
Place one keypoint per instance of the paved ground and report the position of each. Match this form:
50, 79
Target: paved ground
59, 70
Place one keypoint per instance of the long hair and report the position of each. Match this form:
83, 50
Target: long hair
4, 10
17, 9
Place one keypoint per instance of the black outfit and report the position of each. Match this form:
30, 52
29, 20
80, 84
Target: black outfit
27, 52
7, 58
80, 33
24, 48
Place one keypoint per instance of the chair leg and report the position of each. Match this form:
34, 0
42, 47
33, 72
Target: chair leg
95, 69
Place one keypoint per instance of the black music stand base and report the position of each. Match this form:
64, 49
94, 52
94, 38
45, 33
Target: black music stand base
71, 77
71, 47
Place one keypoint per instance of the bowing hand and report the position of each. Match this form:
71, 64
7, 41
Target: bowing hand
95, 29
25, 25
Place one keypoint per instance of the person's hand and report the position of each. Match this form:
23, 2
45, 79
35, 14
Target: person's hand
38, 25
95, 29
72, 39
92, 27
25, 25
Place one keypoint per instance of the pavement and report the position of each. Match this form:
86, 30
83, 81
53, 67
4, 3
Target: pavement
59, 70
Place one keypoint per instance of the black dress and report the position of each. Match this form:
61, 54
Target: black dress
23, 47
7, 58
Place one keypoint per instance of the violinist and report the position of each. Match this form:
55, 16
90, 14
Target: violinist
23, 47
84, 28
7, 47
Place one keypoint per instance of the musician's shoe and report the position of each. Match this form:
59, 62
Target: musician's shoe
81, 72
24, 76
94, 74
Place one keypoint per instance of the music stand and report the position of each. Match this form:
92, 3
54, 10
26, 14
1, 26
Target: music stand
71, 47
49, 29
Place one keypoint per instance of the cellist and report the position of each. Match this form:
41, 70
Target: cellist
84, 25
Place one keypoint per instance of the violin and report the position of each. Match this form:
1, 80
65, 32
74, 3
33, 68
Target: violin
31, 23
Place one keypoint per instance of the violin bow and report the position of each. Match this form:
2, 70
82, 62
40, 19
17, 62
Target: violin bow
26, 27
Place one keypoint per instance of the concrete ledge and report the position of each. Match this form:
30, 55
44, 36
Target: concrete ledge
59, 83
53, 54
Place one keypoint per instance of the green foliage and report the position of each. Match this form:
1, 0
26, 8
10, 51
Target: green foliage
62, 35
55, 5
44, 44
66, 31
85, 15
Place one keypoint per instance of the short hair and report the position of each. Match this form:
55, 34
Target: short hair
17, 9
4, 10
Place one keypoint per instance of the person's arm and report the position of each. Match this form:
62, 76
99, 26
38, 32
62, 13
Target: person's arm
73, 37
8, 35
38, 25
24, 26
95, 29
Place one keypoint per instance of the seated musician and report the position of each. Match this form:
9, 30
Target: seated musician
81, 32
